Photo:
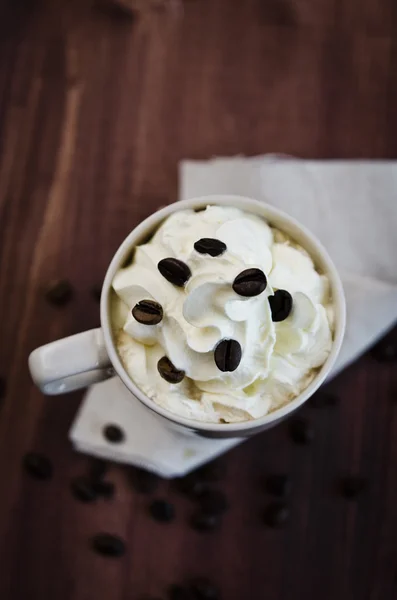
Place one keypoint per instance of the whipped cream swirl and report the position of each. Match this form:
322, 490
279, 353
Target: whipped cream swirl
278, 358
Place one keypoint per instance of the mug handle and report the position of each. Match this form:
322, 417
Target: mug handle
71, 363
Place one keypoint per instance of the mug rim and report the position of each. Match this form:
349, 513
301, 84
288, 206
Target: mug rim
150, 224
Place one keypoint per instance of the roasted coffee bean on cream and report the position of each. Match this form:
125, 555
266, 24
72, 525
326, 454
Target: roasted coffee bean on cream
220, 317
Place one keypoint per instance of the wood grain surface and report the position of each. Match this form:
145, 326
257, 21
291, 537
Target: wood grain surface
96, 110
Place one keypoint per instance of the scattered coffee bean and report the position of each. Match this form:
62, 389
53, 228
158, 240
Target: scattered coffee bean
59, 292
98, 469
108, 545
353, 486
278, 485
177, 592
385, 351
83, 489
162, 511
38, 466
276, 514
96, 292
105, 489
144, 481
203, 522
210, 246
175, 271
168, 371
280, 305
227, 355
323, 400
113, 433
301, 431
213, 502
250, 282
148, 312
3, 388
203, 589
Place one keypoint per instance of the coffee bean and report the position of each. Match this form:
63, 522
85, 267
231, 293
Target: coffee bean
353, 486
280, 305
108, 545
177, 592
38, 466
276, 514
210, 246
148, 312
227, 355
203, 589
385, 351
203, 522
98, 469
162, 511
175, 271
113, 433
213, 502
323, 400
168, 371
83, 489
144, 481
278, 485
105, 489
250, 282
300, 431
96, 292
59, 292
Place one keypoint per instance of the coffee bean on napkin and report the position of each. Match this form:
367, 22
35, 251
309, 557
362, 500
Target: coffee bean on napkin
113, 433
108, 544
175, 271
250, 282
148, 312
228, 355
38, 466
59, 292
168, 371
276, 514
210, 246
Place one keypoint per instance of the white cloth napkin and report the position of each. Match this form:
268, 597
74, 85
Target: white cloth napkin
352, 208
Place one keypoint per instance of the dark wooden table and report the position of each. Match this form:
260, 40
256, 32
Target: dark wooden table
95, 113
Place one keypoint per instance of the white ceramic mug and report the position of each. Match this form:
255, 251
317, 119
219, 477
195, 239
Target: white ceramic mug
89, 357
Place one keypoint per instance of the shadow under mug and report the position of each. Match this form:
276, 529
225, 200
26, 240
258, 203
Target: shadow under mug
81, 360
